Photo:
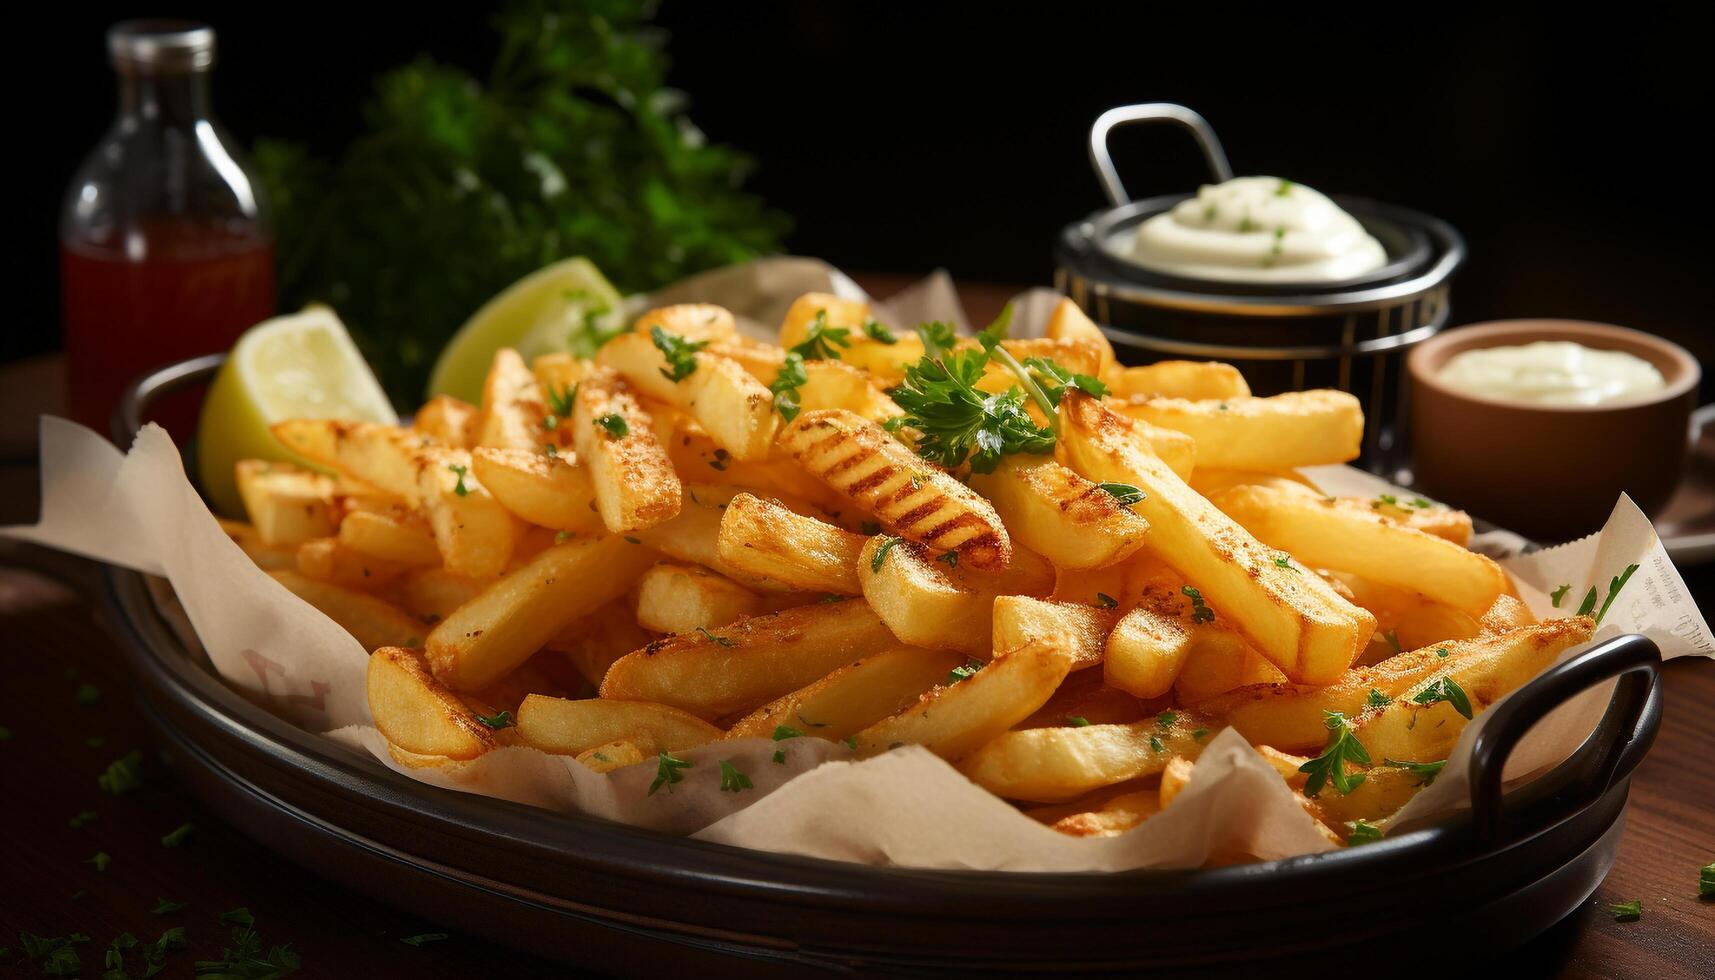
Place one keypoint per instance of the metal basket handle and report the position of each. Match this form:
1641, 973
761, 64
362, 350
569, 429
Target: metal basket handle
1102, 160
1618, 745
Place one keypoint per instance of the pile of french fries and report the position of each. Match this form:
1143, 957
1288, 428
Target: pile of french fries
623, 558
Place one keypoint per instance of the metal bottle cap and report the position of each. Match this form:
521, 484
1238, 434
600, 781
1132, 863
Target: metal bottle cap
160, 46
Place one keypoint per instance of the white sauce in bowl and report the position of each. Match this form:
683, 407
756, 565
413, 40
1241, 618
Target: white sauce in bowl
1257, 229
1552, 372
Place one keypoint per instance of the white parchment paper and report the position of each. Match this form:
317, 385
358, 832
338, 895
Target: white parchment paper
907, 807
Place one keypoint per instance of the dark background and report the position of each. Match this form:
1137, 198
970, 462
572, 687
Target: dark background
1572, 151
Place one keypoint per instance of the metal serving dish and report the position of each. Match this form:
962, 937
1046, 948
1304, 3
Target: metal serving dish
1351, 335
613, 897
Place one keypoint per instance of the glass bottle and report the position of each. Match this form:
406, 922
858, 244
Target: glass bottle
165, 245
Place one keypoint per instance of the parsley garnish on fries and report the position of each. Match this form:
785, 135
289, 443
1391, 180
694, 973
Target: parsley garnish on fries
1330, 766
681, 354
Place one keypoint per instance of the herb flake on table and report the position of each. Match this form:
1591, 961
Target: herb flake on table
178, 835
80, 818
100, 859
246, 959
1706, 880
1626, 911
123, 774
423, 939
164, 907
87, 694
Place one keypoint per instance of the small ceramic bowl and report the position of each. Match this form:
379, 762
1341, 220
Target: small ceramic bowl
1552, 472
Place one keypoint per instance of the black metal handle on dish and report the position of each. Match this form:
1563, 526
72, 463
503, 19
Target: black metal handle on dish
127, 418
1619, 743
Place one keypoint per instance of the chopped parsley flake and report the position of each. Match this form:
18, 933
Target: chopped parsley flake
785, 387
965, 672
423, 939
497, 721
1125, 493
1363, 832
178, 835
881, 553
1077, 721
1106, 601
878, 333
681, 354
1200, 611
123, 774
733, 781
459, 487
1559, 594
1426, 770
668, 769
1627, 911
720, 641
613, 424
1445, 689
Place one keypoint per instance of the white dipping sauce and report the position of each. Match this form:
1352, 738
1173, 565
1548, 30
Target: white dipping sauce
1257, 229
1552, 372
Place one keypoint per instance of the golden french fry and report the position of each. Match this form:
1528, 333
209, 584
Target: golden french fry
1173, 779
474, 533
1291, 716
1061, 516
953, 720
1085, 697
765, 540
394, 535
431, 594
692, 321
549, 491
1293, 618
1067, 322
1049, 765
1146, 650
746, 664
514, 411
372, 622
613, 755
1280, 432
635, 486
498, 630
1349, 536
328, 560
1221, 660
734, 408
1426, 516
928, 602
415, 713
383, 456
558, 374
1197, 380
862, 462
700, 460
1075, 356
673, 598
1210, 481
1508, 613
837, 313
266, 556
1117, 816
1384, 790
1405, 620
854, 696
565, 727
286, 505
449, 421
592, 643
1078, 630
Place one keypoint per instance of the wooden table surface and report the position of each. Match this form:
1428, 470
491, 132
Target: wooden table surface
66, 714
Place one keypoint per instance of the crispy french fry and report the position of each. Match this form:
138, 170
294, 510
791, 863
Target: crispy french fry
549, 491
1293, 618
372, 622
1508, 613
431, 594
1069, 323
954, 720
1280, 432
1058, 514
1210, 481
1350, 536
513, 408
498, 630
613, 755
854, 696
1197, 380
1146, 650
565, 727
1426, 516
746, 664
673, 598
592, 643
558, 374
692, 321
393, 535
1291, 716
474, 533
1406, 620
266, 556
765, 540
286, 505
1078, 630
1075, 356
1116, 816
883, 353
928, 602
449, 421
328, 560
415, 713
1173, 779
635, 486
1384, 790
862, 462
837, 313
1221, 660
700, 460
734, 408
383, 456
1049, 765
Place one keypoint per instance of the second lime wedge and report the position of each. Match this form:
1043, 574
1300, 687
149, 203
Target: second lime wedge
548, 310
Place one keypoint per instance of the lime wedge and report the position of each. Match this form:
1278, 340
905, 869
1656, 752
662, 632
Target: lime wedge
546, 311
291, 367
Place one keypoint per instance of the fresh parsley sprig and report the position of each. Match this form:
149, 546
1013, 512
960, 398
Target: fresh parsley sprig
1444, 689
669, 770
681, 354
785, 386
878, 333
1343, 749
1054, 379
822, 342
956, 420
